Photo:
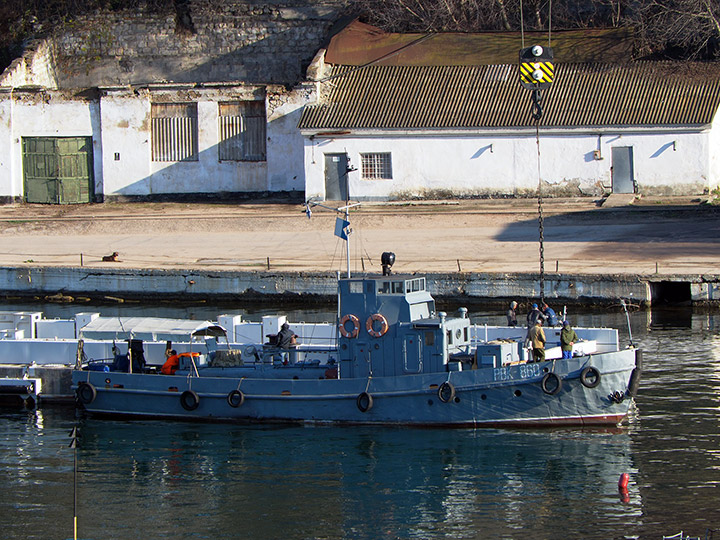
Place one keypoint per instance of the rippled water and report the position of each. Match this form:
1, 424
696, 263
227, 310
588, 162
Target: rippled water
187, 480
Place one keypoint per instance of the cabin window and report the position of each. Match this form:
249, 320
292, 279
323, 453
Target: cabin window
391, 287
429, 339
174, 131
355, 287
376, 166
415, 285
242, 131
449, 337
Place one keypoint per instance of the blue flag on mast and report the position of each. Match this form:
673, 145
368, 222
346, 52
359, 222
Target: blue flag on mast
340, 228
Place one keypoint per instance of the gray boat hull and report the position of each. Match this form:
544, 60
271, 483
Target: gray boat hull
515, 395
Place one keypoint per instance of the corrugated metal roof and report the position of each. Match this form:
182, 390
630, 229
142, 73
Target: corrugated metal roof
359, 44
583, 95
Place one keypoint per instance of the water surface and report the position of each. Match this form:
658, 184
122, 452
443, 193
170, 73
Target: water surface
152, 479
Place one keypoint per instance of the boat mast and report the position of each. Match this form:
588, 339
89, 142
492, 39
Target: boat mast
342, 224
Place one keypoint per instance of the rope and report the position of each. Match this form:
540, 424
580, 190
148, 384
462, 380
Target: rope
522, 26
540, 214
549, 22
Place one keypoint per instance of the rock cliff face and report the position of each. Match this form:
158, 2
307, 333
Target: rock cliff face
200, 41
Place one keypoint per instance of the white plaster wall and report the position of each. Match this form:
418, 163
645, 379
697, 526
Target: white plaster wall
47, 114
284, 141
120, 124
714, 153
126, 132
208, 174
6, 166
502, 163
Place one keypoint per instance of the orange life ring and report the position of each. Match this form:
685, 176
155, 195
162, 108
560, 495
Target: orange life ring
369, 325
356, 326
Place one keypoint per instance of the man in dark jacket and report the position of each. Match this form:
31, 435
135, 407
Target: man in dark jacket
286, 338
534, 315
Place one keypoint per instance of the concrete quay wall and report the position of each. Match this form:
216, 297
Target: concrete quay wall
148, 284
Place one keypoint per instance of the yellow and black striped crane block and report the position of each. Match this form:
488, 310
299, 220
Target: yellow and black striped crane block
536, 67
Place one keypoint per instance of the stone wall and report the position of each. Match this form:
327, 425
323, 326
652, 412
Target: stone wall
241, 40
36, 67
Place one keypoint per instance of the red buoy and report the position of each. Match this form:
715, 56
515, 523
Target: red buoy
623, 482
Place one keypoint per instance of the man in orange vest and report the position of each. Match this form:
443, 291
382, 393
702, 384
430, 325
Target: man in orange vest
171, 364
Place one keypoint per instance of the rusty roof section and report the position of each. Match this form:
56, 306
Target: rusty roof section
360, 44
461, 97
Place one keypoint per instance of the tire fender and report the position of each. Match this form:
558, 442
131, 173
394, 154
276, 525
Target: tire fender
555, 385
235, 398
189, 400
590, 377
364, 402
86, 393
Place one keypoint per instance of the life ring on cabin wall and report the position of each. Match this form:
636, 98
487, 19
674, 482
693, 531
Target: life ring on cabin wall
370, 325
356, 326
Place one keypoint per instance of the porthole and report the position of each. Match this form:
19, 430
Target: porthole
518, 393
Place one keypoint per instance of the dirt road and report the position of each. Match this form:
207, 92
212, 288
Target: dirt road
679, 235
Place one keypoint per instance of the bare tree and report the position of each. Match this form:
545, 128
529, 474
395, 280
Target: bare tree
682, 28
666, 28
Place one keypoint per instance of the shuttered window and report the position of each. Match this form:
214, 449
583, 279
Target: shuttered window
242, 131
376, 166
174, 131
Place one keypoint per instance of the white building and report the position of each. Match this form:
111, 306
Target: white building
157, 112
135, 105
154, 140
447, 116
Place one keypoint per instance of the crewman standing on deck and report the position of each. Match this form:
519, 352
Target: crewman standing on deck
537, 337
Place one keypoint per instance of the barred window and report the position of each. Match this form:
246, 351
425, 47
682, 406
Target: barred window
242, 131
174, 131
376, 166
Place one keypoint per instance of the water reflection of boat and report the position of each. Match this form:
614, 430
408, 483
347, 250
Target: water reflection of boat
396, 360
407, 483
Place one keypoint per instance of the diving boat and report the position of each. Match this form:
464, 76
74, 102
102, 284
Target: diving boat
394, 360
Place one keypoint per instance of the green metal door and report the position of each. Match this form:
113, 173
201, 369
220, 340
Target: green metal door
58, 170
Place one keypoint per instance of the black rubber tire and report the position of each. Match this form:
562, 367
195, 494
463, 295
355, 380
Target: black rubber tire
554, 388
235, 398
86, 393
594, 377
189, 400
446, 392
636, 374
364, 402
